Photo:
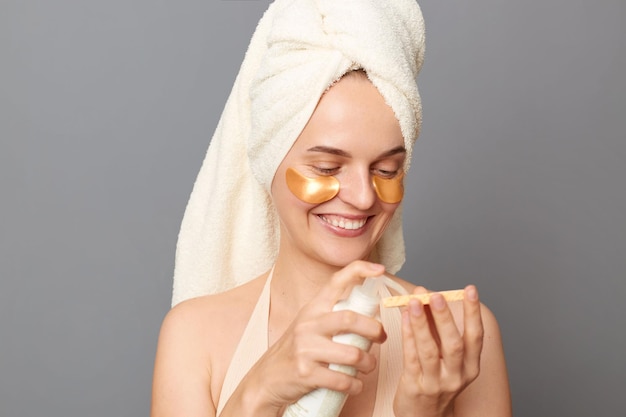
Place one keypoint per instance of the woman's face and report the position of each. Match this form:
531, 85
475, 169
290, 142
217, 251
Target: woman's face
353, 135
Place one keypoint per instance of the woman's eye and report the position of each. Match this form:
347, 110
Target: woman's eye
325, 171
383, 173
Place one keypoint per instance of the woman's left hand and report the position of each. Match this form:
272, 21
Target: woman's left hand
439, 360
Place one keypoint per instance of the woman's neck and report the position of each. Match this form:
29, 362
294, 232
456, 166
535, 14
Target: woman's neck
298, 277
296, 281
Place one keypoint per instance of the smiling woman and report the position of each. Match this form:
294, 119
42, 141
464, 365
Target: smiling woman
354, 137
320, 126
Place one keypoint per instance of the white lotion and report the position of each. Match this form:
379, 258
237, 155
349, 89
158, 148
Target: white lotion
322, 402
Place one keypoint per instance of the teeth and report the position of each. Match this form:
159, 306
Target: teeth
345, 223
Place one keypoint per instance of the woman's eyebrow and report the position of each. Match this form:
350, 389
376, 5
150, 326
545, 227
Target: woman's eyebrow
394, 151
340, 152
330, 150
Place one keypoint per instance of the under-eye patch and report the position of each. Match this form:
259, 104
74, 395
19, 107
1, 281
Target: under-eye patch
312, 190
321, 189
389, 190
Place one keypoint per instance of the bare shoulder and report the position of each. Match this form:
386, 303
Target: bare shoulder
196, 343
492, 381
213, 324
212, 316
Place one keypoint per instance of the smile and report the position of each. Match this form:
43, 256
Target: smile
343, 223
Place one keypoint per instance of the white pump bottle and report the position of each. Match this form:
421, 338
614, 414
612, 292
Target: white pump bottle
363, 299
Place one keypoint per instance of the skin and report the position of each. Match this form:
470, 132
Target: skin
452, 354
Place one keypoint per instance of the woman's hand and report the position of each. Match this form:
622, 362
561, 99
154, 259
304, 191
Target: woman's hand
298, 362
439, 361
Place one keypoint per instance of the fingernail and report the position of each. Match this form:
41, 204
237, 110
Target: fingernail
472, 293
415, 307
437, 302
405, 317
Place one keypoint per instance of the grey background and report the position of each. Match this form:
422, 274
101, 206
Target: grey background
106, 110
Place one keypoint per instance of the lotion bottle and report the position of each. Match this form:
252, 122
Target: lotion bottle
322, 402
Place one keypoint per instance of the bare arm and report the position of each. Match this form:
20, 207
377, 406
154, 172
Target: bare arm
489, 394
181, 383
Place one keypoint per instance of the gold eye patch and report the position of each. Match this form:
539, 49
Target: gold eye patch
321, 189
312, 190
389, 190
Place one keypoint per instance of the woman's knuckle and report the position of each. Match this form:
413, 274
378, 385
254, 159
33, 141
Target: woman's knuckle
348, 319
370, 364
455, 384
432, 388
343, 383
410, 386
303, 369
477, 335
354, 355
430, 353
456, 348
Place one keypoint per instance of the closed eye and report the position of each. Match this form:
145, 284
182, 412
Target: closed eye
325, 171
383, 173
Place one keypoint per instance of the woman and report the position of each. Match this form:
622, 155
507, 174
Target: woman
322, 120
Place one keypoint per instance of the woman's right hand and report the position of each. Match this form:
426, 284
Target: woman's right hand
298, 362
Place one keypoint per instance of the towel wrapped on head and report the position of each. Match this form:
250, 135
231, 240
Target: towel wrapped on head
230, 230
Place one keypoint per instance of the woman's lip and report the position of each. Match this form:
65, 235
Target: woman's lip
343, 231
345, 216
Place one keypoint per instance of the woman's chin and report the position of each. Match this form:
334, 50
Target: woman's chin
342, 258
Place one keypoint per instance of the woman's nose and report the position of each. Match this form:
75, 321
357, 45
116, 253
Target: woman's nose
357, 190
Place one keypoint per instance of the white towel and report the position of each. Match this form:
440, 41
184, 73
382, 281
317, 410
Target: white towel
230, 229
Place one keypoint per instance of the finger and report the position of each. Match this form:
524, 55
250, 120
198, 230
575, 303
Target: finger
420, 290
342, 281
473, 330
349, 322
351, 359
337, 381
327, 352
314, 367
451, 342
344, 327
409, 347
426, 343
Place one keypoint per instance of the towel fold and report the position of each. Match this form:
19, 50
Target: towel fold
230, 230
